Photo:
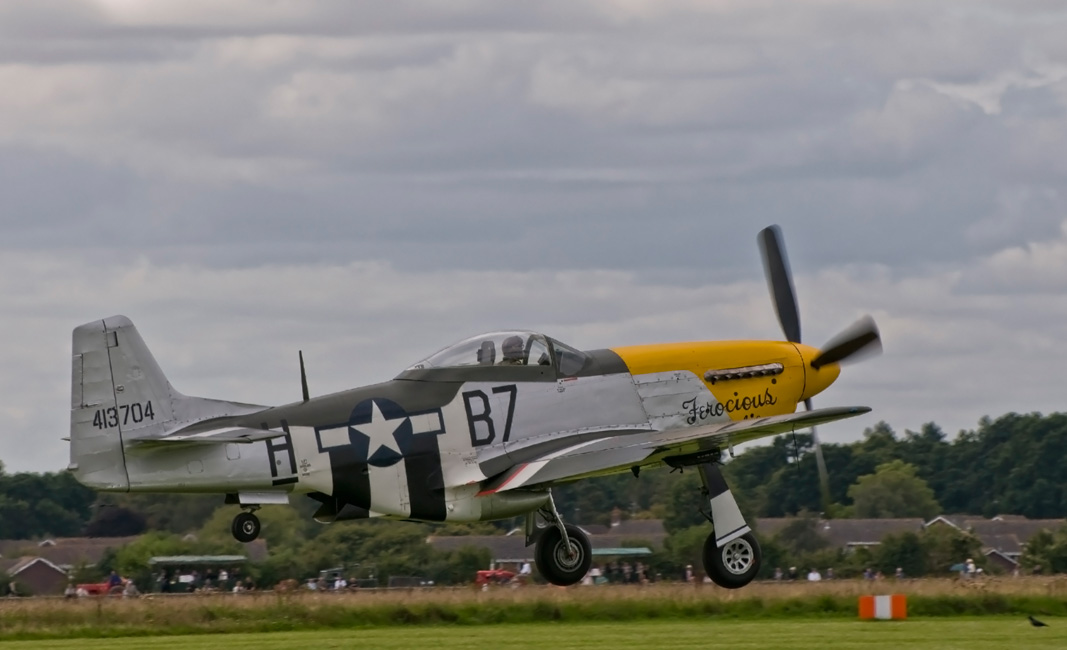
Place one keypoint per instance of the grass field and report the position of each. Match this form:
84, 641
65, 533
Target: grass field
948, 633
468, 613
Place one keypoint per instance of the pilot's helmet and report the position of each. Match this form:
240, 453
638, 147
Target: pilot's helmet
512, 347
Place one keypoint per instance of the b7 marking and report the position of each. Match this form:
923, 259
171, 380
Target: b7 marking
485, 436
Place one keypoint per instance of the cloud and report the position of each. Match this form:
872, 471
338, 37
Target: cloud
951, 355
1035, 269
372, 181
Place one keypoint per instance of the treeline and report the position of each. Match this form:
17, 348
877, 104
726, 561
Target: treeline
37, 505
1011, 465
300, 549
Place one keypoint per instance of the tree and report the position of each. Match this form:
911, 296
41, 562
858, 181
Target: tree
686, 547
175, 513
464, 528
115, 522
904, 551
131, 561
1046, 552
459, 566
946, 546
392, 548
893, 490
592, 501
683, 506
775, 557
801, 536
283, 527
37, 505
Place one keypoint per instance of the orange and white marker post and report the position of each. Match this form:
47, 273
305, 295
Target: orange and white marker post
894, 606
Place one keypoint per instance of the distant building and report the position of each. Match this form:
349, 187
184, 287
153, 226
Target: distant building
845, 534
65, 552
1003, 537
36, 575
44, 565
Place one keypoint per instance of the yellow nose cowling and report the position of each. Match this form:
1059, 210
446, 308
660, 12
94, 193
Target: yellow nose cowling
816, 380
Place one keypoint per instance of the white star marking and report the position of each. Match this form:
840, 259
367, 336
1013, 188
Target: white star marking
380, 430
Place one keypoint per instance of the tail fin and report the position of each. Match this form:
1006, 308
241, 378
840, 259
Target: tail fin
120, 394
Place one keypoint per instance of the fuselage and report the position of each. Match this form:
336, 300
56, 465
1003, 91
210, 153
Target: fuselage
419, 447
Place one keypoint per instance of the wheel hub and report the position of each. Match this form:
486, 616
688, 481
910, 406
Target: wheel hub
568, 559
738, 556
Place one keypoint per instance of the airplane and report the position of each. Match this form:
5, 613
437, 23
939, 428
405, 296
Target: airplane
481, 430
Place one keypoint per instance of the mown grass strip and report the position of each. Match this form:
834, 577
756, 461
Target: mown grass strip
987, 633
110, 618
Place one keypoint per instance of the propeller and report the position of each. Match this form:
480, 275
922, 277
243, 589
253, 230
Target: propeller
854, 342
780, 281
820, 463
860, 338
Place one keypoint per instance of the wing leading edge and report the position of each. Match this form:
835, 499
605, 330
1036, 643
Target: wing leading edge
596, 457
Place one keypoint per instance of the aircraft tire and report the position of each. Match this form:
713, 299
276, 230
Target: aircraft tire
735, 564
245, 527
554, 562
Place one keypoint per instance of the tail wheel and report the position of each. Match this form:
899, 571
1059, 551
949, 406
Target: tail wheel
559, 564
735, 564
245, 527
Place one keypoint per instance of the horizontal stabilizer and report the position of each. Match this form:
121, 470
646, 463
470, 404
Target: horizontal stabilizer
121, 398
238, 435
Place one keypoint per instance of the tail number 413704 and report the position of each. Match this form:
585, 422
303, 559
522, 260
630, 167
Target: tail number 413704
123, 414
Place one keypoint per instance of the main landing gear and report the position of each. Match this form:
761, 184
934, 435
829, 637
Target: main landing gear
246, 526
563, 553
732, 555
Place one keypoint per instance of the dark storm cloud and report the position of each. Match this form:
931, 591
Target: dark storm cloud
587, 119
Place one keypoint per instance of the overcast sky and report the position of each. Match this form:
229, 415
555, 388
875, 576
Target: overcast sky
371, 181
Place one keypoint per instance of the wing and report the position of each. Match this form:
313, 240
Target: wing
611, 455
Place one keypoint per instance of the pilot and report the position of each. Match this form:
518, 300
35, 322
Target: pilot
513, 350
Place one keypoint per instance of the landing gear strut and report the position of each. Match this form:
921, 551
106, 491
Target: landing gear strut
246, 526
732, 555
563, 553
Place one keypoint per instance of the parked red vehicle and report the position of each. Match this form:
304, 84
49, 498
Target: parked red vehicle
493, 577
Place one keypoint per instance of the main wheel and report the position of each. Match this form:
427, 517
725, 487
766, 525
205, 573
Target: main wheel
245, 527
735, 564
558, 564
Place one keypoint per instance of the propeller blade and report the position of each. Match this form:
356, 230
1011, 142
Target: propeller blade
859, 338
780, 281
824, 476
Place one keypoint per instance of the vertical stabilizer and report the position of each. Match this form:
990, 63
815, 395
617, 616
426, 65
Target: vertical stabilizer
97, 458
119, 396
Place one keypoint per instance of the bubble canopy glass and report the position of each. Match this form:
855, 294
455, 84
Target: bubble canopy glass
506, 347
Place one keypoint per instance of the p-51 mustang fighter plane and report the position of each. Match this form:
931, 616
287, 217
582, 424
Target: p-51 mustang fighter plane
481, 430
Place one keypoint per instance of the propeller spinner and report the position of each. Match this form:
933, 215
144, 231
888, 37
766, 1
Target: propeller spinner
854, 342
